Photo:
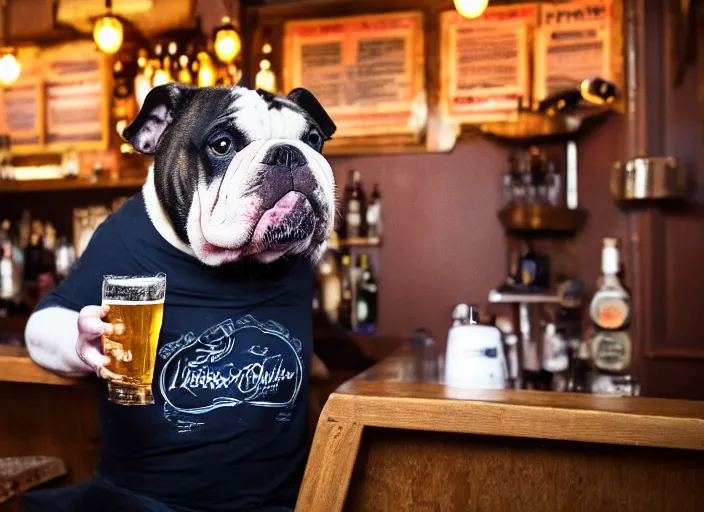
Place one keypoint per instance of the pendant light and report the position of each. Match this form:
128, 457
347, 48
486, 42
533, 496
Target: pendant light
226, 42
9, 66
471, 8
108, 32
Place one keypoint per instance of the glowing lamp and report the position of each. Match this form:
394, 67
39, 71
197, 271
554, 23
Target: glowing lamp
227, 44
108, 34
206, 70
160, 77
9, 69
471, 8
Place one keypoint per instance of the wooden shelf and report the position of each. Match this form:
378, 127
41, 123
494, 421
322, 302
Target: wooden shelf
502, 297
541, 219
534, 127
9, 187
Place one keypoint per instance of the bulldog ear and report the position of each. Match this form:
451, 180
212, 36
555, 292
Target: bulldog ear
160, 107
308, 102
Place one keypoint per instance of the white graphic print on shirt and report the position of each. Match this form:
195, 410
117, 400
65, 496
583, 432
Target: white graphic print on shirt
246, 362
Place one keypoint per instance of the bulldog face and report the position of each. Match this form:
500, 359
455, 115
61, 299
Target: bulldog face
239, 173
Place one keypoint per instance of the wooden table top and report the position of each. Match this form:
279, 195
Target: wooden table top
393, 394
17, 366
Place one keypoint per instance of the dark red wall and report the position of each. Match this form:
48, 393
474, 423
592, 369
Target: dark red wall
443, 243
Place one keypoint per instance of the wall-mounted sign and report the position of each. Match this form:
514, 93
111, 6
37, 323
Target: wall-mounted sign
485, 63
575, 41
367, 71
61, 100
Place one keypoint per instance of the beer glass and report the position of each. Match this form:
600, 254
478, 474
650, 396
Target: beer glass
136, 311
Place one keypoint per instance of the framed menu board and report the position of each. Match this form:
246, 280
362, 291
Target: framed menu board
485, 63
577, 40
367, 71
60, 101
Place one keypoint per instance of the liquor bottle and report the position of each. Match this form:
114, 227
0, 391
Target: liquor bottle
580, 379
345, 317
4, 230
510, 179
521, 179
366, 298
554, 184
610, 312
555, 357
49, 236
33, 255
374, 213
65, 257
7, 271
330, 284
356, 207
25, 230
538, 190
598, 91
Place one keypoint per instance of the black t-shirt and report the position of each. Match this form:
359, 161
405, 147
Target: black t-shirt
228, 429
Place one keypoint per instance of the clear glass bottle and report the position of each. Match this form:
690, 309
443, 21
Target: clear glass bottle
357, 208
511, 176
521, 179
374, 213
554, 183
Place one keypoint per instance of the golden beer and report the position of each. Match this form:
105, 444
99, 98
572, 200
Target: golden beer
136, 313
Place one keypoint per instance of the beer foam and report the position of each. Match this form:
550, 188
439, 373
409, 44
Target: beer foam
134, 281
122, 302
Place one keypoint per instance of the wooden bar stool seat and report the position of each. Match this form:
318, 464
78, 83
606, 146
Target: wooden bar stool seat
20, 474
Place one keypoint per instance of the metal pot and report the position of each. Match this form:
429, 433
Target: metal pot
649, 178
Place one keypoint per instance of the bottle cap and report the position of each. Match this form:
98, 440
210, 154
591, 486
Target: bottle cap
609, 257
465, 314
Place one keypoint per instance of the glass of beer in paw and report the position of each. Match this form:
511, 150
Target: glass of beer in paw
136, 309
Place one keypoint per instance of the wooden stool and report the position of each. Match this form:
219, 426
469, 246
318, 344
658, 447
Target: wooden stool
20, 474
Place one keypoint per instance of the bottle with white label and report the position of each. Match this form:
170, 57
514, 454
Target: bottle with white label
610, 312
366, 298
374, 213
356, 208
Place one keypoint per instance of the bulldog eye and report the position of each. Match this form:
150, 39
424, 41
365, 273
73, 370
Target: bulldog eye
314, 139
221, 146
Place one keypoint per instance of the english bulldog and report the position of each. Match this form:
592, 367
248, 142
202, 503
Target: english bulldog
236, 209
239, 173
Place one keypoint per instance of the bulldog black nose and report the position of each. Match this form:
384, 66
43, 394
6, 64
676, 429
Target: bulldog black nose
286, 156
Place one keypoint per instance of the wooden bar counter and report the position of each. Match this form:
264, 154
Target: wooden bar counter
42, 413
391, 440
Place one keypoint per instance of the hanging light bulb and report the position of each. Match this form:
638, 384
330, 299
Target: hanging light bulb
108, 32
471, 8
206, 70
227, 42
160, 77
9, 69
